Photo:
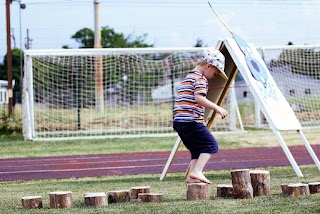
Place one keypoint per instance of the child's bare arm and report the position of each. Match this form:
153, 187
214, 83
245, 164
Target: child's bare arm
202, 100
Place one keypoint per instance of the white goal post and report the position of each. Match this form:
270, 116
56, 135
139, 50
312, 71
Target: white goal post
138, 89
100, 93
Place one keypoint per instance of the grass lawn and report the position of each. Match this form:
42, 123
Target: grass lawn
173, 187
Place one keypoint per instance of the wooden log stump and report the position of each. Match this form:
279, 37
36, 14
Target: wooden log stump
225, 190
31, 202
285, 189
139, 189
297, 189
119, 196
314, 187
241, 183
97, 199
260, 181
60, 199
150, 197
198, 191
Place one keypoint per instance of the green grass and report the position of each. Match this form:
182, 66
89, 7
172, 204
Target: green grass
172, 188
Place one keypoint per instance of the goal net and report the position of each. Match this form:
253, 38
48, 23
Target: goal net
99, 93
296, 71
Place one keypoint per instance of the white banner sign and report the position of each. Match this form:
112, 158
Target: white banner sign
263, 87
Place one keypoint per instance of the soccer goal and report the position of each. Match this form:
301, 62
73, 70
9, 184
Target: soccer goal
100, 93
296, 71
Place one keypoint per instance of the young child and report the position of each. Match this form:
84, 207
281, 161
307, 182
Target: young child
188, 112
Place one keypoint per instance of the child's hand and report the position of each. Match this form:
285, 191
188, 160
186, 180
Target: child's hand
222, 112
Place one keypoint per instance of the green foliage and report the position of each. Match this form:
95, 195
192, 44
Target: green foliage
110, 39
8, 125
5, 127
16, 53
85, 37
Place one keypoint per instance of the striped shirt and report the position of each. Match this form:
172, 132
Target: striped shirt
186, 108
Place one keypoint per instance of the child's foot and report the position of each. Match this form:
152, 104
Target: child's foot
192, 180
199, 177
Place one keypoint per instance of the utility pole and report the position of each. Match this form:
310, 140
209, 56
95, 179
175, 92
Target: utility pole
9, 59
97, 31
28, 41
99, 94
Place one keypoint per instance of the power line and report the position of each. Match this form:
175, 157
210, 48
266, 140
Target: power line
157, 3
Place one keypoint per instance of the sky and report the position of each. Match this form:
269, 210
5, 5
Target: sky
167, 23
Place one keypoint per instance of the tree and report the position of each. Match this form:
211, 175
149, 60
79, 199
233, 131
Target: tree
199, 43
85, 37
110, 39
16, 53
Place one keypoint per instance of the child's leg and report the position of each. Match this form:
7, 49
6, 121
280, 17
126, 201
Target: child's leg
191, 168
196, 168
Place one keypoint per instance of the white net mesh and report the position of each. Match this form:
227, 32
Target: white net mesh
296, 71
138, 91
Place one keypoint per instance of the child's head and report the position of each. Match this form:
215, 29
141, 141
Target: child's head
214, 58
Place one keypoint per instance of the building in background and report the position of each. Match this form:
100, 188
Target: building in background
4, 99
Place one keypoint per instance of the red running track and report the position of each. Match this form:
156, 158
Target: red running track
79, 166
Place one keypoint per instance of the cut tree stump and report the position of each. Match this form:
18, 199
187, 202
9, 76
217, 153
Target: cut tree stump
285, 189
139, 189
314, 187
198, 191
97, 199
119, 196
150, 197
31, 202
297, 189
241, 183
260, 181
60, 199
225, 190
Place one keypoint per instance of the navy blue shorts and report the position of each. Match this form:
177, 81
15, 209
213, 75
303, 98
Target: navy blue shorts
196, 137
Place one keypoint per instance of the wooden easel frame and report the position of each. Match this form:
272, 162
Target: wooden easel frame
235, 59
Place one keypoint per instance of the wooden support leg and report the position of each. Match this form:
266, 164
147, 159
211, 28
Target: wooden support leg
170, 159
